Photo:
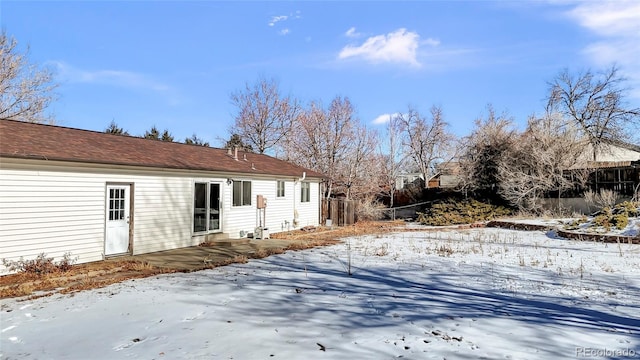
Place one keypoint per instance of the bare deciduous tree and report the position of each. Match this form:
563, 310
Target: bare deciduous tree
595, 103
392, 157
333, 142
264, 117
359, 169
491, 139
427, 141
536, 163
320, 137
25, 89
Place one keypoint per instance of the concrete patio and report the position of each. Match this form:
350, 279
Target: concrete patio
203, 257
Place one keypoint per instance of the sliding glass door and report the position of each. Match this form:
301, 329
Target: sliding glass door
206, 207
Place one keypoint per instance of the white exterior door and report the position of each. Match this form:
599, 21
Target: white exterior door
117, 220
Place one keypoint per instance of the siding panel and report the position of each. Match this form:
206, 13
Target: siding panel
61, 208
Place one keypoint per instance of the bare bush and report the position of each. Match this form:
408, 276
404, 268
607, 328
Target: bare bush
369, 209
607, 198
41, 265
603, 199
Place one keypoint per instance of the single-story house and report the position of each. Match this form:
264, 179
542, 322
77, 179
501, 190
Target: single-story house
95, 195
615, 165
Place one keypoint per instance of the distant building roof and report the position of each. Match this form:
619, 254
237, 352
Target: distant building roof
25, 140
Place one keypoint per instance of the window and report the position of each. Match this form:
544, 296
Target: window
241, 193
280, 190
305, 191
206, 207
116, 204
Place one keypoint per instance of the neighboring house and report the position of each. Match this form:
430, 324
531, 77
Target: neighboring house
614, 166
403, 180
609, 153
96, 195
447, 176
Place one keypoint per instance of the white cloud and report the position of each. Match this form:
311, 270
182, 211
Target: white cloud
618, 25
117, 78
384, 118
351, 33
431, 42
108, 77
399, 46
609, 18
276, 19
282, 19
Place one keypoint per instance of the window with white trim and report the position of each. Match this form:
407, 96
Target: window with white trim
241, 193
305, 191
280, 189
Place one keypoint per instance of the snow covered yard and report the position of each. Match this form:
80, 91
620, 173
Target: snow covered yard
455, 294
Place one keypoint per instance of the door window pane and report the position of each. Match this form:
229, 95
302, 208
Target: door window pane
214, 206
200, 207
116, 204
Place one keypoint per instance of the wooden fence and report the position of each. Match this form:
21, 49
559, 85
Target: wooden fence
341, 212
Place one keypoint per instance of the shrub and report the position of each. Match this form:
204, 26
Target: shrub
617, 217
620, 221
602, 220
461, 212
631, 208
575, 224
40, 265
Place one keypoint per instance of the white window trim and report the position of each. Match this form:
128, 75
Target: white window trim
284, 189
242, 181
308, 200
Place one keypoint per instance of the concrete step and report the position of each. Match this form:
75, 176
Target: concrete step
228, 242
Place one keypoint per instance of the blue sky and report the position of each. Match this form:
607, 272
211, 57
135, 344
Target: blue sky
174, 64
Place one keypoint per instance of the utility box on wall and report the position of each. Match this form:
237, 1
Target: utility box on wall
261, 202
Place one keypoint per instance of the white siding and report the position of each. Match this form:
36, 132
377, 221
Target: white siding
55, 209
280, 211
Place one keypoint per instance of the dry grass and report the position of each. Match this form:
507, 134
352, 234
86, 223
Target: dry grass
103, 273
77, 278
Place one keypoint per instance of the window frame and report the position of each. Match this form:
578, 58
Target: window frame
280, 192
205, 209
305, 192
243, 198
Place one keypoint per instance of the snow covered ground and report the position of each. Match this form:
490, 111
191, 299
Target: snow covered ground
454, 294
